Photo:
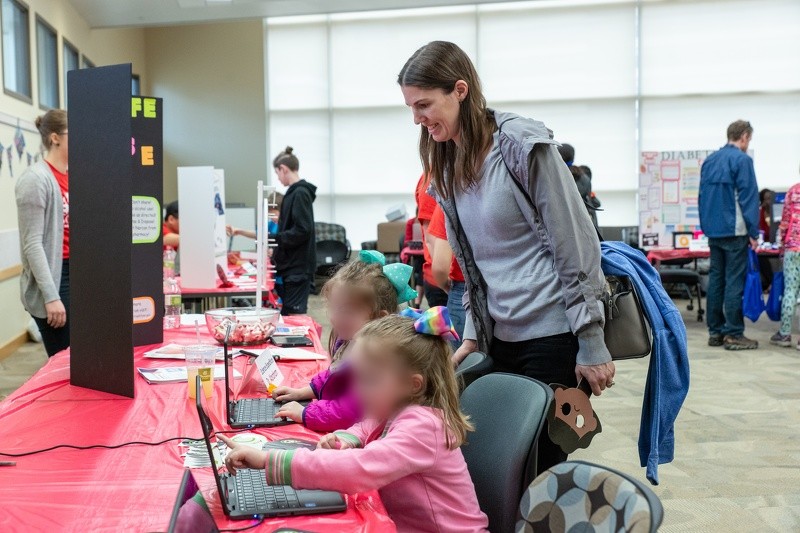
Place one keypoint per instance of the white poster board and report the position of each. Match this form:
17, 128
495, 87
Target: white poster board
201, 197
669, 186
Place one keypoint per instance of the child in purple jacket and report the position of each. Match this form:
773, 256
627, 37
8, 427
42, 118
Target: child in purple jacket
360, 292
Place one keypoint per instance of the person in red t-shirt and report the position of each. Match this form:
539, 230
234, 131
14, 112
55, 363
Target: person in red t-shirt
171, 228
42, 194
425, 208
447, 272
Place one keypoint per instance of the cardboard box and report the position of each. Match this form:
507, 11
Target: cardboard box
389, 235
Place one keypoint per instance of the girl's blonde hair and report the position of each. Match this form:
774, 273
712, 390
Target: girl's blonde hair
429, 356
369, 285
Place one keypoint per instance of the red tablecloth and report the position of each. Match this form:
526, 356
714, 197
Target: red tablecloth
667, 254
132, 488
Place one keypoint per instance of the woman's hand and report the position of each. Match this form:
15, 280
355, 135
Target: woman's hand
231, 231
598, 376
242, 456
56, 314
292, 410
466, 348
332, 442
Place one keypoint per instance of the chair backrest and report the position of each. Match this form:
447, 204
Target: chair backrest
472, 367
471, 363
577, 496
327, 231
330, 255
508, 412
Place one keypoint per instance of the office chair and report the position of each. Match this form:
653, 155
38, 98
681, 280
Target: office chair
582, 497
671, 273
472, 367
501, 452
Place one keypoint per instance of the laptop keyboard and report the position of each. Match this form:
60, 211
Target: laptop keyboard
254, 495
256, 411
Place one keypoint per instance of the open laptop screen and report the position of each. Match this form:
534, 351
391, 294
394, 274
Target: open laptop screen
209, 435
190, 513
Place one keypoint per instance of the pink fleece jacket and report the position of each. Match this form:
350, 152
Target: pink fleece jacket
424, 485
336, 406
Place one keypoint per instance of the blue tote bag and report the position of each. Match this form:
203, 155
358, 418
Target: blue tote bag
753, 301
775, 299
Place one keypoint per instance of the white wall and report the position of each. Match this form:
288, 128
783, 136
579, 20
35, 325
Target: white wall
103, 47
211, 78
697, 67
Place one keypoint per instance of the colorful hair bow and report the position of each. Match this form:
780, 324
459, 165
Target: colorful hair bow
434, 321
399, 274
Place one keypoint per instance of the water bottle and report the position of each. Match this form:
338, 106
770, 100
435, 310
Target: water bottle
172, 292
172, 304
169, 262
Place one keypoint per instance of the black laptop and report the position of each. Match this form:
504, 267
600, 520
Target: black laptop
189, 516
249, 412
247, 495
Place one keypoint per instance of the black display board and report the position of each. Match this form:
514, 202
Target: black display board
115, 259
148, 188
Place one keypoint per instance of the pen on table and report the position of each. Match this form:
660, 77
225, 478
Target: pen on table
8, 463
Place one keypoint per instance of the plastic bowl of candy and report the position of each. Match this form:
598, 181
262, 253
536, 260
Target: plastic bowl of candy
249, 325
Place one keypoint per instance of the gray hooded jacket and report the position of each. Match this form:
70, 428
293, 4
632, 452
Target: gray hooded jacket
563, 242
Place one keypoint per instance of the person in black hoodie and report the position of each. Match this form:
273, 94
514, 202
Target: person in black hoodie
296, 255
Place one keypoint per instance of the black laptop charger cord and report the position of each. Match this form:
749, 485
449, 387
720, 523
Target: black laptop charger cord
95, 446
245, 528
110, 446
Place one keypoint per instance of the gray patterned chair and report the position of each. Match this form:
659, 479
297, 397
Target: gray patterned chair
580, 497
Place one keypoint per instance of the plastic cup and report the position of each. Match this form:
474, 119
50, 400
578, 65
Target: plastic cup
200, 361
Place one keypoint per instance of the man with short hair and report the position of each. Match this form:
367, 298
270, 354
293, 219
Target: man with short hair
729, 218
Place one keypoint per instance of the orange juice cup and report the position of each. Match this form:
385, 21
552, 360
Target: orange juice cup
200, 361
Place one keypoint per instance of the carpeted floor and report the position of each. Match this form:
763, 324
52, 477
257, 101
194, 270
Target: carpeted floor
737, 451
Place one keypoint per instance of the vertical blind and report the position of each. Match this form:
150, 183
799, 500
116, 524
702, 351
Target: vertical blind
582, 67
47, 65
70, 62
16, 48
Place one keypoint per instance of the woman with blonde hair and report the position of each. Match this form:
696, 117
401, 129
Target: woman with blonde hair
518, 228
42, 194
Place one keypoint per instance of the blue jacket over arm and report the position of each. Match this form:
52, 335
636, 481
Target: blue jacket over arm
668, 375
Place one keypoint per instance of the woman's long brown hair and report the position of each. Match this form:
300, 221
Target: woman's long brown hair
439, 65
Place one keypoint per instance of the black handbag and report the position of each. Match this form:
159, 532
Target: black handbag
627, 333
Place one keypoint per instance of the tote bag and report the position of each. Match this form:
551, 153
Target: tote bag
753, 301
775, 299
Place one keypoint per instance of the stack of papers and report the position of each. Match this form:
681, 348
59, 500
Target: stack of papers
177, 374
293, 331
196, 455
288, 354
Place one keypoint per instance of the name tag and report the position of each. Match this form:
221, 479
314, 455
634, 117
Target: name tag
269, 370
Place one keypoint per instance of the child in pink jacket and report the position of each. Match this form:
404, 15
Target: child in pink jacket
789, 237
358, 293
408, 446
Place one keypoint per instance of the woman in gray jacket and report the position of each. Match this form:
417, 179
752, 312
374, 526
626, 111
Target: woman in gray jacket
42, 194
518, 228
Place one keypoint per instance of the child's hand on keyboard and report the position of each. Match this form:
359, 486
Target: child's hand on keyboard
291, 410
288, 394
332, 442
242, 456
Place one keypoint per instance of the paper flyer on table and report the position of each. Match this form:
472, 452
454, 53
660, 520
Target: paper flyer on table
175, 351
177, 374
269, 370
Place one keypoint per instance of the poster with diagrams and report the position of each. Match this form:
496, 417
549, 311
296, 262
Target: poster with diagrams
669, 186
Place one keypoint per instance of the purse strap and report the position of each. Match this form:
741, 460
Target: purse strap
521, 188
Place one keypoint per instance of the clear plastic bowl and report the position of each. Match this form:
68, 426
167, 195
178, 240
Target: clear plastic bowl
249, 325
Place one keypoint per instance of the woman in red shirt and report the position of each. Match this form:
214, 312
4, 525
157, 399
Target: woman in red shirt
42, 194
447, 273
